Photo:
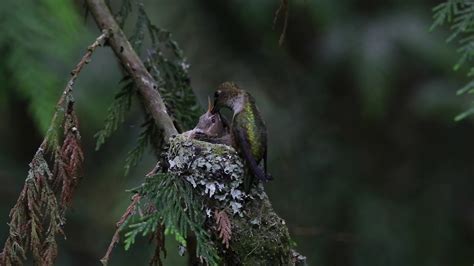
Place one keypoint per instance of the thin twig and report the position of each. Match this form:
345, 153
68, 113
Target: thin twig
134, 66
86, 58
115, 239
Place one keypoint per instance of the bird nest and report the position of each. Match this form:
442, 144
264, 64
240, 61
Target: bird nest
216, 172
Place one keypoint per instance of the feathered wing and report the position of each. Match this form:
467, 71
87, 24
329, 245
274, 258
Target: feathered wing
244, 148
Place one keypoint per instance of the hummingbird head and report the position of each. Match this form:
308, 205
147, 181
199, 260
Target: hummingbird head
226, 95
210, 123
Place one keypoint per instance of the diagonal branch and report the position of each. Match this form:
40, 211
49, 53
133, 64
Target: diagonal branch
115, 239
134, 66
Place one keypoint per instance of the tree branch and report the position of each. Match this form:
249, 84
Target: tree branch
115, 239
134, 66
86, 58
38, 216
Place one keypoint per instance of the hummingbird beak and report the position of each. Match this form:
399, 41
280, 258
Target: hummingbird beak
209, 105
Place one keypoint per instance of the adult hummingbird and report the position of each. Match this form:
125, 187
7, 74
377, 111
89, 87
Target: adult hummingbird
247, 127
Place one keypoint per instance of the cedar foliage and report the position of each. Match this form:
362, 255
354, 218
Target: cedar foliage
459, 15
224, 227
166, 63
172, 205
39, 213
115, 113
162, 195
177, 208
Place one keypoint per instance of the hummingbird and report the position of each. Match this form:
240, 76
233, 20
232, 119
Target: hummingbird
212, 127
247, 128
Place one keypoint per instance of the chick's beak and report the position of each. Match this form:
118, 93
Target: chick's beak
214, 108
209, 104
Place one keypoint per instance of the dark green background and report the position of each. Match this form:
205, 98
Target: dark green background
369, 166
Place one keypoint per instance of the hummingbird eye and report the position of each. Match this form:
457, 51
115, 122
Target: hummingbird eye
216, 94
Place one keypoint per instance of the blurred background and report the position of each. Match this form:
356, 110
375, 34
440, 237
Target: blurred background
369, 166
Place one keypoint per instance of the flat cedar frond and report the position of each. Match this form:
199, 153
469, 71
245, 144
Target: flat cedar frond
71, 158
168, 66
116, 113
176, 208
55, 132
140, 29
159, 239
459, 15
37, 217
144, 139
49, 247
71, 152
50, 252
124, 11
224, 226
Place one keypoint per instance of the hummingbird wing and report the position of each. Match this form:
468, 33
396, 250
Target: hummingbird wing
244, 148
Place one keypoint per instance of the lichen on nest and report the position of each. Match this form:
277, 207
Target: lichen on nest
216, 172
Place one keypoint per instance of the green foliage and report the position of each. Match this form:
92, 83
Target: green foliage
55, 131
445, 12
168, 66
26, 64
459, 15
144, 139
178, 208
138, 36
124, 11
174, 83
116, 113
